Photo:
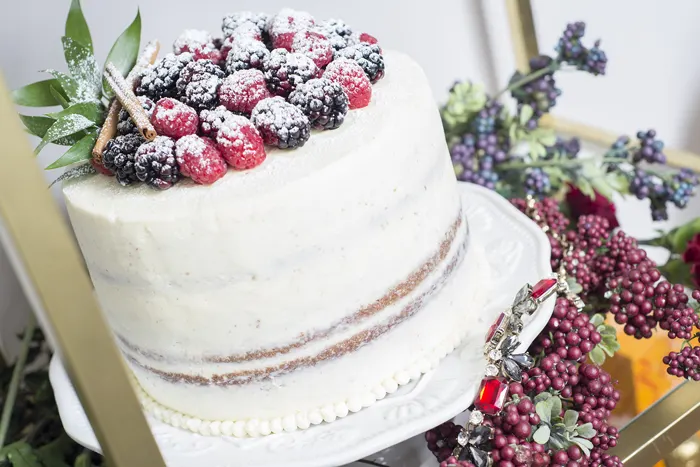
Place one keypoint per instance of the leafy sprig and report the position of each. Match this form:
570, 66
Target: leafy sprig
81, 94
608, 344
559, 430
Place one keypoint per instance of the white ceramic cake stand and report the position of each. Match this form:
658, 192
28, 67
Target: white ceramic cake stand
516, 252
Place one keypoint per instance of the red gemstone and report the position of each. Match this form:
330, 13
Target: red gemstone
494, 326
492, 395
542, 287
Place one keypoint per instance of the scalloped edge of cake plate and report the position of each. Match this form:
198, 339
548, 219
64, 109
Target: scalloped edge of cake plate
518, 253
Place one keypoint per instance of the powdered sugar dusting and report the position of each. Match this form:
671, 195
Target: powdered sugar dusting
241, 91
352, 77
315, 46
200, 159
210, 121
240, 143
289, 20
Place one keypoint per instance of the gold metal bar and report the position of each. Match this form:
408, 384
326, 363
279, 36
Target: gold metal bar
52, 264
523, 33
657, 431
675, 157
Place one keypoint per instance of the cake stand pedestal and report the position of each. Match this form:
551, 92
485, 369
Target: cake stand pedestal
510, 250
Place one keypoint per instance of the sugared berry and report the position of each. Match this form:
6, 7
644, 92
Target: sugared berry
126, 124
240, 143
210, 121
246, 54
368, 56
155, 163
199, 43
284, 71
231, 22
284, 25
338, 33
198, 84
353, 79
315, 46
281, 124
173, 118
200, 159
241, 91
159, 80
323, 101
118, 157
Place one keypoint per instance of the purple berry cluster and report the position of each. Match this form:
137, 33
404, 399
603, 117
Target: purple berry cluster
650, 148
564, 149
541, 93
684, 364
570, 50
476, 156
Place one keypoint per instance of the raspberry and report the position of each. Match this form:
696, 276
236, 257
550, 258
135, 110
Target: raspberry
241, 91
155, 163
173, 118
246, 54
101, 168
125, 124
338, 33
199, 43
323, 101
118, 157
281, 124
200, 159
285, 71
315, 46
199, 83
353, 79
159, 79
226, 46
368, 56
246, 31
210, 121
367, 38
285, 24
233, 21
240, 143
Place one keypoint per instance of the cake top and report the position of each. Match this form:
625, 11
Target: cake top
220, 103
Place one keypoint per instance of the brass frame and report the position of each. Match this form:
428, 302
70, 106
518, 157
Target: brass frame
524, 38
50, 268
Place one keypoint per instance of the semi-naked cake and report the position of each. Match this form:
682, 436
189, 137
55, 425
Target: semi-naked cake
293, 292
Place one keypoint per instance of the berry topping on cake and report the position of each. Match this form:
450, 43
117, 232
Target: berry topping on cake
101, 168
155, 163
338, 33
246, 54
368, 56
159, 79
350, 75
210, 121
315, 46
173, 118
225, 48
199, 83
233, 21
323, 101
126, 124
281, 124
284, 71
368, 38
199, 43
118, 157
240, 143
200, 159
246, 31
284, 26
241, 91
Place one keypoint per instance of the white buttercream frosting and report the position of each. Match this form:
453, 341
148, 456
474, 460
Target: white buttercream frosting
201, 282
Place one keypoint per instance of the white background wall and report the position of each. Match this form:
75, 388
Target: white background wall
653, 78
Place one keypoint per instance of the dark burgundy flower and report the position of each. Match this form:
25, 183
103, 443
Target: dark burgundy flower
580, 204
691, 256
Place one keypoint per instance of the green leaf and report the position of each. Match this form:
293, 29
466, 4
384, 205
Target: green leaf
22, 455
547, 137
681, 235
597, 356
37, 94
677, 272
541, 436
67, 125
125, 50
619, 182
570, 418
544, 410
586, 431
574, 287
59, 97
597, 319
76, 26
543, 396
75, 172
68, 84
584, 444
83, 68
526, 114
537, 150
585, 186
53, 453
37, 125
556, 407
90, 110
601, 185
83, 460
80, 151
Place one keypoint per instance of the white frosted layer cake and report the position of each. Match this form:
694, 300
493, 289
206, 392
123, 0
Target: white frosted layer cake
293, 292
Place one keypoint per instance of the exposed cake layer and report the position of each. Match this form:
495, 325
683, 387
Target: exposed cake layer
276, 264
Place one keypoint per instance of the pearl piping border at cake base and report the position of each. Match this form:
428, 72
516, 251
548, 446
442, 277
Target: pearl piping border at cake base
328, 413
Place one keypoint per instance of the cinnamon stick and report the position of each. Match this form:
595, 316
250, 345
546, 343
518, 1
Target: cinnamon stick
109, 128
127, 98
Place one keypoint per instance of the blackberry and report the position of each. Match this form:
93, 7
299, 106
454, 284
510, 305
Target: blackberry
125, 124
199, 84
159, 79
119, 155
210, 121
245, 55
338, 33
323, 101
284, 71
232, 21
368, 56
155, 163
650, 148
281, 124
